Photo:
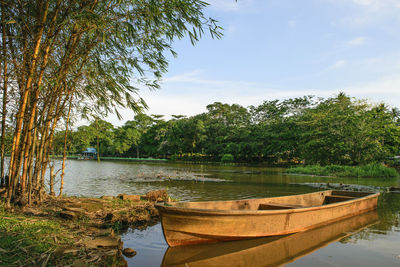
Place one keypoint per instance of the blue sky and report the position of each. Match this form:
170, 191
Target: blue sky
278, 49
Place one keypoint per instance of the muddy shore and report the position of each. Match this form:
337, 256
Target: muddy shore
87, 231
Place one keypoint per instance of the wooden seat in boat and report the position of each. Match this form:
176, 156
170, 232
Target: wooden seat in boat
278, 206
335, 198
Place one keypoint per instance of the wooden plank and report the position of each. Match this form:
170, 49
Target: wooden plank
277, 206
334, 199
350, 193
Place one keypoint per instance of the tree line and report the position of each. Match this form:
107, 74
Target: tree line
338, 130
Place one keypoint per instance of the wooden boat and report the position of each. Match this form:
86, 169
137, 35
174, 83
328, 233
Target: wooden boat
267, 251
187, 223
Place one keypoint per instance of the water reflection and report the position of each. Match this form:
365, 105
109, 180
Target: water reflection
266, 251
184, 182
357, 241
192, 182
376, 245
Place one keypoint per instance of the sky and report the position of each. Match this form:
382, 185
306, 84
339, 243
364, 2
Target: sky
280, 49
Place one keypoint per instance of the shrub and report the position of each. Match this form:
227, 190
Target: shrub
227, 158
370, 170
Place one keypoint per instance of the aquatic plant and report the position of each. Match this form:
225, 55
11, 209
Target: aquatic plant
369, 170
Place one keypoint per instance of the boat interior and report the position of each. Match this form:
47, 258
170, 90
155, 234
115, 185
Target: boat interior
277, 203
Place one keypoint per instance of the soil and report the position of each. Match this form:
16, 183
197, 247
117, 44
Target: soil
94, 224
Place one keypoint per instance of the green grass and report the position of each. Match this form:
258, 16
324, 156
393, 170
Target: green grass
132, 159
370, 170
26, 240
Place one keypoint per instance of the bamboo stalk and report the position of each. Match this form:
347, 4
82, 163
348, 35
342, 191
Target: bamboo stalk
14, 169
5, 84
65, 147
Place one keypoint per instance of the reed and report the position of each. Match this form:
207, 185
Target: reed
369, 170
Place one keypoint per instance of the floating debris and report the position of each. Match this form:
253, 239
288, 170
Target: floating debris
340, 186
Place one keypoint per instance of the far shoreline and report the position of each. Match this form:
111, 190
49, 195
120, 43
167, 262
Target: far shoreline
373, 170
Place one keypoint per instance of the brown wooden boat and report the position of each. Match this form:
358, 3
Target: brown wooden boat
267, 251
186, 223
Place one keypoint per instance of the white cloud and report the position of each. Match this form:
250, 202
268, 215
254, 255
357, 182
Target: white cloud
169, 102
385, 88
380, 13
338, 64
292, 23
377, 4
231, 29
195, 78
189, 93
363, 2
356, 41
224, 5
231, 5
184, 77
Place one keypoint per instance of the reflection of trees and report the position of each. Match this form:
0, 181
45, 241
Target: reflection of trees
365, 234
388, 211
389, 219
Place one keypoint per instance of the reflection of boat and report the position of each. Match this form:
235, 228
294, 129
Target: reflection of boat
200, 222
266, 251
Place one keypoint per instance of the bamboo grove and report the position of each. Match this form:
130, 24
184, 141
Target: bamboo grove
64, 58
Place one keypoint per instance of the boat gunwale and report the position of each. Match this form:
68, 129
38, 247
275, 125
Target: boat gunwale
213, 212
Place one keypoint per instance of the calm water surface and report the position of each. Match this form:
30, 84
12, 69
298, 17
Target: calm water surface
369, 240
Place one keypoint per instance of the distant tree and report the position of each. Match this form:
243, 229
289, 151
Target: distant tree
185, 135
226, 129
154, 139
342, 130
276, 132
126, 137
338, 130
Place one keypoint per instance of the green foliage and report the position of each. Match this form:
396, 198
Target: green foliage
369, 170
345, 131
116, 226
90, 58
226, 158
339, 130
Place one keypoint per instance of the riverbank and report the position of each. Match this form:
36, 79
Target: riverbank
112, 158
73, 231
370, 170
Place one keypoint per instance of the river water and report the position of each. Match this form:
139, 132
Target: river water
372, 239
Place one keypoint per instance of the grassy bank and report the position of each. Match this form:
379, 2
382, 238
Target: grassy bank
71, 230
27, 240
370, 170
113, 158
133, 159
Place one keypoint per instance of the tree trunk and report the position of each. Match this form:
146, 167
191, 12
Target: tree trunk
14, 168
30, 169
65, 147
98, 145
52, 176
5, 84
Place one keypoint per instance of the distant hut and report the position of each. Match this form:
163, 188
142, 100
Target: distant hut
89, 153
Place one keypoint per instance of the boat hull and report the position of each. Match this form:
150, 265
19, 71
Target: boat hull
190, 225
267, 251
